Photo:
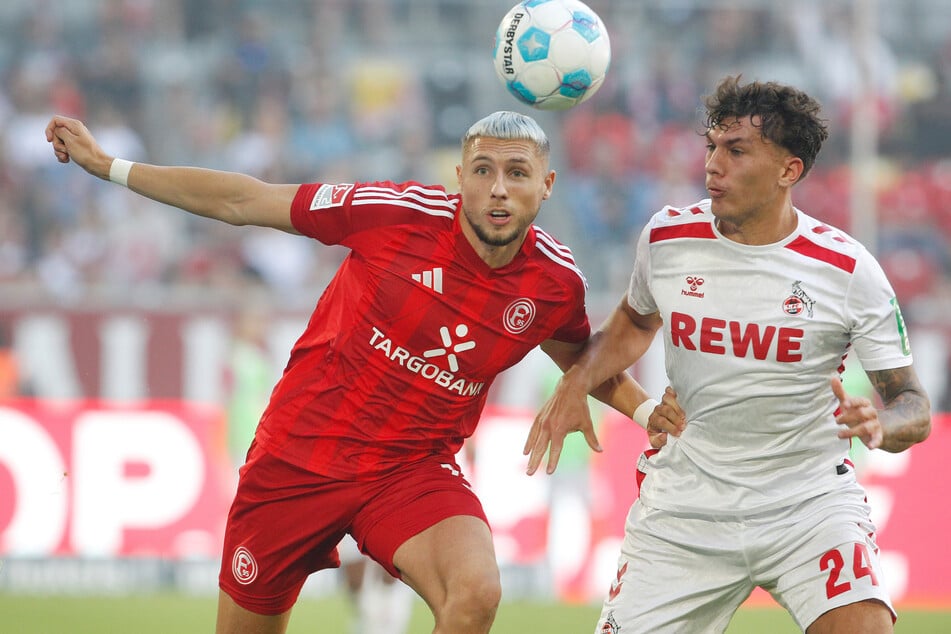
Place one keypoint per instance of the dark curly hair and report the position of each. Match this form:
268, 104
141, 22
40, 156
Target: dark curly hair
788, 117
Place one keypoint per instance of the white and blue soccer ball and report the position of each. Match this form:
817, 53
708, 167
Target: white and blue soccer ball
552, 54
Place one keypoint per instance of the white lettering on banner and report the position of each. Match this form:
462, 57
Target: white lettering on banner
39, 479
205, 346
48, 363
109, 500
124, 341
78, 479
137, 355
43, 485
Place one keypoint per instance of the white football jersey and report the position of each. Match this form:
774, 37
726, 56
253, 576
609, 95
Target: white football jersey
752, 336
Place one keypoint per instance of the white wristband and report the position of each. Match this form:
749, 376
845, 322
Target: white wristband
643, 412
119, 171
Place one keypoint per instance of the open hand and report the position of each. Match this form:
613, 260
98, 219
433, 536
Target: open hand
858, 416
667, 418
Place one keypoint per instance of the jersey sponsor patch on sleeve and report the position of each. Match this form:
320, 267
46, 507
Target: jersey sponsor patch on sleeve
902, 331
330, 196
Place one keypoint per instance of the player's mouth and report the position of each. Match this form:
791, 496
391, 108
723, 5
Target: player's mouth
716, 192
499, 216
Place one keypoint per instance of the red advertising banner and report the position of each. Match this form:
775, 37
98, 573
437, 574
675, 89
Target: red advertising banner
583, 529
89, 479
94, 480
909, 497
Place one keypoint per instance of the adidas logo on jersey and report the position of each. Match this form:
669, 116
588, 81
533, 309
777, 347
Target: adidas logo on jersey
430, 279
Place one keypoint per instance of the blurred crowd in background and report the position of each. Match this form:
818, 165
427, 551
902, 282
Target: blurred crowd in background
345, 90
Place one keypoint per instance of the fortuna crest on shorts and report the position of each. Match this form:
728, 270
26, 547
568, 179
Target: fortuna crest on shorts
243, 566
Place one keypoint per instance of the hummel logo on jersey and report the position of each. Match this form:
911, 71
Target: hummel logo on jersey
693, 282
449, 350
430, 279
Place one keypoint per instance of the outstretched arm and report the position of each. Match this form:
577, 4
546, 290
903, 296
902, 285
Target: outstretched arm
237, 199
599, 369
904, 420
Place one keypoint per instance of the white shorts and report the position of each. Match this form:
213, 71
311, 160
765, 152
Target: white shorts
689, 574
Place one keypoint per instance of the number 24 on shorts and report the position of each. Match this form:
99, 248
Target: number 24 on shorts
834, 562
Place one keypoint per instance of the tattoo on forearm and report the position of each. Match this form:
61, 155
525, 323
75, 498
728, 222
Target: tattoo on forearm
906, 417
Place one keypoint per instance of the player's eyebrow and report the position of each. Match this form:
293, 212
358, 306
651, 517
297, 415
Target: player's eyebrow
519, 160
728, 141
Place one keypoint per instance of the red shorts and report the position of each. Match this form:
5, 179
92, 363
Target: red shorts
285, 523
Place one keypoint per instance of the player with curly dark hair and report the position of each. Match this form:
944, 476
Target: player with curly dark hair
759, 305
786, 115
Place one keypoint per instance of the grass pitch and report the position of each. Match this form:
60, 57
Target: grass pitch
167, 613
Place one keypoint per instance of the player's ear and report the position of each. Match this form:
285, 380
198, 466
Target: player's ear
549, 183
459, 176
792, 171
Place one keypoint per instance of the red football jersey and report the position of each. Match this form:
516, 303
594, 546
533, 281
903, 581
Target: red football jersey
397, 359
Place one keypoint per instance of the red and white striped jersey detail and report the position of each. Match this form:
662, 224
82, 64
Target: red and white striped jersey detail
804, 246
691, 230
557, 252
682, 222
432, 201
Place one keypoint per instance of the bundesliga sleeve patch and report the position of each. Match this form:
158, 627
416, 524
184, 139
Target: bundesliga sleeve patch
902, 331
330, 196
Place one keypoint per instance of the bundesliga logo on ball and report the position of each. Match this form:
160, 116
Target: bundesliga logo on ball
552, 54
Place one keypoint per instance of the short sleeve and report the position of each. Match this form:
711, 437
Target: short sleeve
879, 335
639, 296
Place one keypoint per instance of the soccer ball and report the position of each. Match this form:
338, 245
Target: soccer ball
552, 54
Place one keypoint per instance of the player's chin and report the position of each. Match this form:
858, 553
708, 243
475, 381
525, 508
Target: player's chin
496, 236
719, 207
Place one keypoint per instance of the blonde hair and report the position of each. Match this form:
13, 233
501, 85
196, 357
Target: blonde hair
506, 124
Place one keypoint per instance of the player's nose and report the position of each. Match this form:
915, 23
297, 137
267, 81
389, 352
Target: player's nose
498, 187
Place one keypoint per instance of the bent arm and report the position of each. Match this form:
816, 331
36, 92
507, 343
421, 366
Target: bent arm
599, 369
621, 340
233, 198
620, 391
906, 415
